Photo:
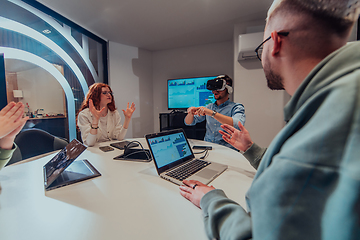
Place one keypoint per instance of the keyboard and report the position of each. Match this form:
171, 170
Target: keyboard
188, 169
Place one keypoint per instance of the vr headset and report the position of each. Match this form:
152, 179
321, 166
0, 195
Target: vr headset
218, 84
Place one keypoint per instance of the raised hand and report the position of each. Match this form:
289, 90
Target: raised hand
96, 113
194, 190
129, 111
241, 140
11, 122
11, 118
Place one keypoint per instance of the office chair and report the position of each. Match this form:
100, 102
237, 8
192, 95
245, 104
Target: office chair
33, 142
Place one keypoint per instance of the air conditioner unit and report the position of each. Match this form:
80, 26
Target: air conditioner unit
247, 44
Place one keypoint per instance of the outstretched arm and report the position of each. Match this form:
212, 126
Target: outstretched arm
190, 115
223, 119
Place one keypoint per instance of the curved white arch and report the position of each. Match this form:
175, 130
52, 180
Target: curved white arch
25, 30
64, 32
12, 53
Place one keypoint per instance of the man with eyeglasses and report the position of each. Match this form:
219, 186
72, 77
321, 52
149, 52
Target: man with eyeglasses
308, 181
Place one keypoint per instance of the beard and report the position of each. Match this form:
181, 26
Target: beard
221, 95
274, 81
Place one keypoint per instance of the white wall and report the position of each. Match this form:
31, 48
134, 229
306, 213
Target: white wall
130, 77
263, 107
141, 76
41, 91
204, 60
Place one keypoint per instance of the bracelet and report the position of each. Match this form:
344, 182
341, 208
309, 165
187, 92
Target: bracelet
94, 127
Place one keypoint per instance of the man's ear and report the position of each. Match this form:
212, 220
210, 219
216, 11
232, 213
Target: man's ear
277, 43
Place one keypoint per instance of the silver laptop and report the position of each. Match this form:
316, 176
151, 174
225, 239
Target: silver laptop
175, 161
63, 170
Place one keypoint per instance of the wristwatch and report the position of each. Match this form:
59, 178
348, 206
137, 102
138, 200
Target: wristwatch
213, 114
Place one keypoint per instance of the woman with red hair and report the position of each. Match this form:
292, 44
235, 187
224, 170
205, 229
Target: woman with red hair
98, 118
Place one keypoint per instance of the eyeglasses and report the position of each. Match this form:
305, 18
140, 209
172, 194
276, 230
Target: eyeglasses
106, 93
259, 49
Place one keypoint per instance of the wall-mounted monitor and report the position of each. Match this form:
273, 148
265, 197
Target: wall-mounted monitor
188, 92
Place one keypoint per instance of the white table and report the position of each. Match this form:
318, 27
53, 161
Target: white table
129, 200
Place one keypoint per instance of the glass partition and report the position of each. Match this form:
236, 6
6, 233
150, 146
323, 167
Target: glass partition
49, 64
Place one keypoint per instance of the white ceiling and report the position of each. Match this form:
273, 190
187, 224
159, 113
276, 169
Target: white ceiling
161, 24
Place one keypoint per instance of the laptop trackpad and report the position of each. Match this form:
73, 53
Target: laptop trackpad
206, 173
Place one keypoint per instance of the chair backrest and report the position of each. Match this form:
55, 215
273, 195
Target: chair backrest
33, 142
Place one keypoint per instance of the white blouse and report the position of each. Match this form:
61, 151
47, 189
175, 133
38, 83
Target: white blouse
110, 127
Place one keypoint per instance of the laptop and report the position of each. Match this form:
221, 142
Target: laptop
175, 161
61, 170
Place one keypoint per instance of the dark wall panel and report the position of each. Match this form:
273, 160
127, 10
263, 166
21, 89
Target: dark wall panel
3, 96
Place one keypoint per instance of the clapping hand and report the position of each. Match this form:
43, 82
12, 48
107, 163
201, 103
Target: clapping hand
96, 113
129, 111
241, 140
11, 122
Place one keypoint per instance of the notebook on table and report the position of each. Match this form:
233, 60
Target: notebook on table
63, 170
175, 161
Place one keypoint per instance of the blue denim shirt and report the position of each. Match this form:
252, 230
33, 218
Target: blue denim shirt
228, 108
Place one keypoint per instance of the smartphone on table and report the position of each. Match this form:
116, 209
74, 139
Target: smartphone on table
106, 148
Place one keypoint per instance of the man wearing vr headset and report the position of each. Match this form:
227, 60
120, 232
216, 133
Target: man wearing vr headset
223, 111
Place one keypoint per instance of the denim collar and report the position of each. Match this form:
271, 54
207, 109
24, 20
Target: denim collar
223, 104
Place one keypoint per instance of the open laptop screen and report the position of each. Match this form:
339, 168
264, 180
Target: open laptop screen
169, 148
62, 160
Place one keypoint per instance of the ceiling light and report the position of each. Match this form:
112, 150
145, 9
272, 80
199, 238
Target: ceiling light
46, 31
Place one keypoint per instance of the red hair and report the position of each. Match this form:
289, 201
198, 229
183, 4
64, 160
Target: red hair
94, 94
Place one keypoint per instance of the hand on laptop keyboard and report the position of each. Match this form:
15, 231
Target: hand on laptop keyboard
194, 190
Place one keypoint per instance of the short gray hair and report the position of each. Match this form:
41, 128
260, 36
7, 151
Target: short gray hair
338, 15
340, 9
